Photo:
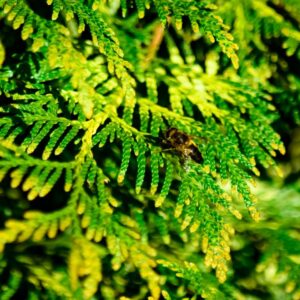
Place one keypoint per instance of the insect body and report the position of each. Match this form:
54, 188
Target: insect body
183, 144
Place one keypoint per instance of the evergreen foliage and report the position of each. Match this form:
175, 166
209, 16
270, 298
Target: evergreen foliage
93, 205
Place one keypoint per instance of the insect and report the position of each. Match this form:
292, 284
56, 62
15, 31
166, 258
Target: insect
183, 144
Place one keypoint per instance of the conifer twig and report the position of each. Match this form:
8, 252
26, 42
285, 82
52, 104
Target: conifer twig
158, 34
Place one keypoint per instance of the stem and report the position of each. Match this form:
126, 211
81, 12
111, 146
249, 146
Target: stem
158, 34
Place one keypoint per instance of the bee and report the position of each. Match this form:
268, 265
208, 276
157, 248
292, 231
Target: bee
183, 144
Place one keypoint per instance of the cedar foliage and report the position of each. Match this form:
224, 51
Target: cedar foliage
93, 207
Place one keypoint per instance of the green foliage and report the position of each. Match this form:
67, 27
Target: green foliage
274, 242
86, 98
268, 33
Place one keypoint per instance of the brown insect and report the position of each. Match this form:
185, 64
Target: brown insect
183, 144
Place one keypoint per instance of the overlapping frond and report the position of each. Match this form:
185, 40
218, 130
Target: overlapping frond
84, 112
